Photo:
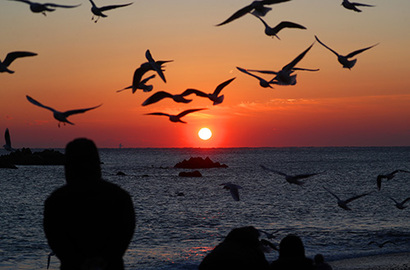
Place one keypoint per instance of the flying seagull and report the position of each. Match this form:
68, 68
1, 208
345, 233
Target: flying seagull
233, 188
388, 176
344, 59
215, 97
273, 31
147, 66
162, 94
256, 8
354, 5
142, 85
285, 76
400, 205
176, 118
42, 8
7, 146
98, 11
343, 203
292, 179
380, 245
10, 57
60, 116
262, 82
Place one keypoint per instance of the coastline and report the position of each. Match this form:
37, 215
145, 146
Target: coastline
393, 261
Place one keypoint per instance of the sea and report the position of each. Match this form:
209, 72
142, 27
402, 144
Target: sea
181, 219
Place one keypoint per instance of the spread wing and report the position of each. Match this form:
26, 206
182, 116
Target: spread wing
302, 176
71, 112
359, 51
154, 65
326, 46
243, 11
156, 97
286, 24
274, 171
188, 111
113, 7
297, 59
356, 197
14, 55
334, 195
62, 6
35, 102
190, 91
246, 72
263, 71
222, 86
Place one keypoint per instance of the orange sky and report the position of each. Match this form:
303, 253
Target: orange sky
81, 64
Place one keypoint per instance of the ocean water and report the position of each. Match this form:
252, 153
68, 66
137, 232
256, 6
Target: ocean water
176, 232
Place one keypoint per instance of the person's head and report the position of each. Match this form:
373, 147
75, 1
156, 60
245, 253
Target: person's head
291, 247
248, 236
82, 162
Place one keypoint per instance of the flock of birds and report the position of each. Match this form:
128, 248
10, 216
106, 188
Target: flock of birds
284, 76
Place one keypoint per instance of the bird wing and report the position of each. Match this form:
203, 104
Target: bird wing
188, 111
391, 198
190, 91
62, 6
243, 11
154, 65
263, 71
35, 102
296, 60
406, 200
326, 46
246, 72
13, 55
274, 171
359, 51
156, 97
362, 5
136, 79
286, 24
23, 1
334, 195
234, 192
113, 6
302, 176
356, 197
306, 69
157, 113
71, 112
222, 86
271, 2
147, 79
7, 137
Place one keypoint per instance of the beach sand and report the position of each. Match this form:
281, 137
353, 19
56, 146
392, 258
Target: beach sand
397, 261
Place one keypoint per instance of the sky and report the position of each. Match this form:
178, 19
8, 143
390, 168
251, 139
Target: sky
81, 64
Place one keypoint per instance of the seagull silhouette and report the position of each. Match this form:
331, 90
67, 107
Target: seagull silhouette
285, 76
292, 179
256, 8
142, 85
262, 82
60, 116
147, 66
42, 8
7, 146
400, 205
215, 97
10, 57
269, 235
162, 94
380, 245
176, 118
344, 59
388, 176
233, 188
343, 203
273, 31
354, 5
98, 11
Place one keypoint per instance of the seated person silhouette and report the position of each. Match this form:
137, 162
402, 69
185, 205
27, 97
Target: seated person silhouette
88, 222
241, 249
320, 263
292, 255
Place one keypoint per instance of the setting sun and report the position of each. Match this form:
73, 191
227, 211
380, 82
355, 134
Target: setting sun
205, 133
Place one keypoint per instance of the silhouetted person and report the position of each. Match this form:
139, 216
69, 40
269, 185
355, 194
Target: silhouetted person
292, 255
88, 222
241, 249
320, 263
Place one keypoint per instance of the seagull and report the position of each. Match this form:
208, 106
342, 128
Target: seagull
388, 176
343, 203
273, 31
215, 95
269, 235
284, 76
147, 66
233, 188
176, 118
262, 82
256, 8
7, 146
353, 5
292, 179
400, 205
268, 246
49, 258
60, 116
10, 57
162, 94
142, 85
381, 244
42, 8
344, 59
98, 11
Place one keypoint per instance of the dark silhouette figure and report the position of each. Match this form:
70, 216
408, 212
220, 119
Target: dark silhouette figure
88, 222
320, 263
292, 255
241, 249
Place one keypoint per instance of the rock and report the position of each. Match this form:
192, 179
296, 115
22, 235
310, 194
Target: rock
198, 163
190, 174
26, 157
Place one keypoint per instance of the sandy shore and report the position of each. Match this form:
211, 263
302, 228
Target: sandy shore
397, 261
